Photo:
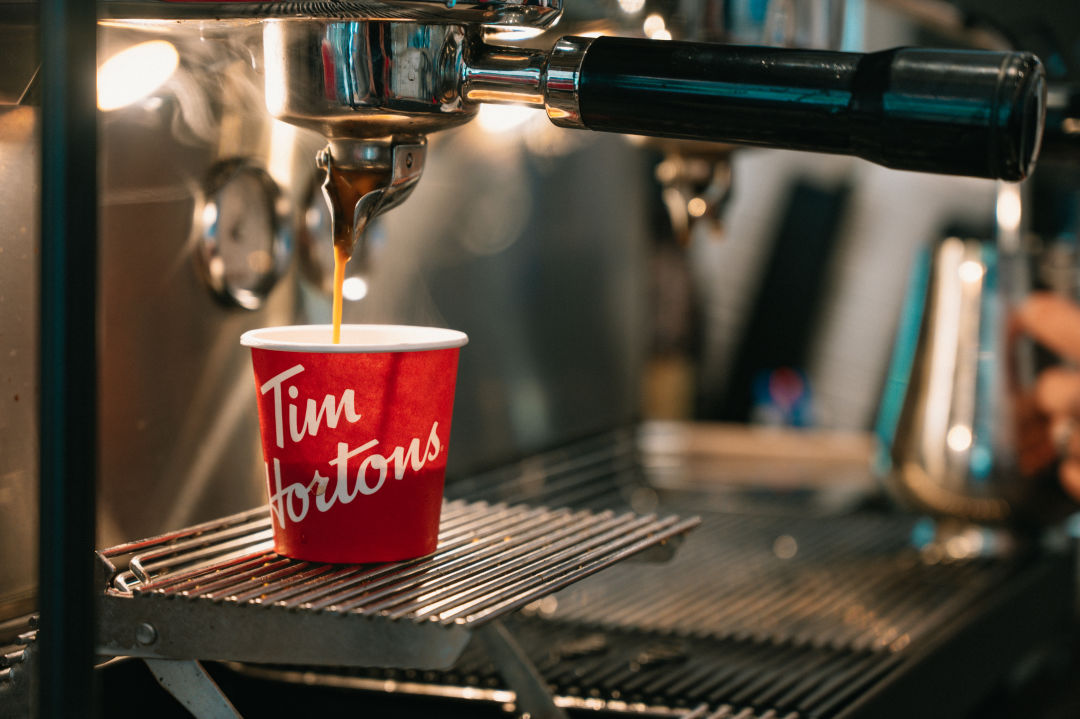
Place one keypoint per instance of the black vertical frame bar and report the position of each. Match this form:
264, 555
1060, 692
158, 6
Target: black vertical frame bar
68, 357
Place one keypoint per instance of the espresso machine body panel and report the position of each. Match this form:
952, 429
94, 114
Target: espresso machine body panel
178, 434
18, 361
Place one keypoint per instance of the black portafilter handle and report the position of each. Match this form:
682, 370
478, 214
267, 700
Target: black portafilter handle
958, 112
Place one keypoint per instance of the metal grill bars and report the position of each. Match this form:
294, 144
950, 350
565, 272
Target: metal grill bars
850, 583
491, 560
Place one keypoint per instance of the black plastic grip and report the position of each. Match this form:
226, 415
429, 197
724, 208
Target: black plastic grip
959, 112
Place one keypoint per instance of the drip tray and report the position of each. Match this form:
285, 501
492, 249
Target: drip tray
218, 590
761, 617
17, 637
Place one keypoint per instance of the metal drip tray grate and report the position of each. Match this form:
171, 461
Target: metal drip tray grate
17, 647
848, 582
218, 590
766, 618
15, 636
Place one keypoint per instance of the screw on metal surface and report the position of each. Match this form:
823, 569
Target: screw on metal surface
408, 160
322, 158
145, 634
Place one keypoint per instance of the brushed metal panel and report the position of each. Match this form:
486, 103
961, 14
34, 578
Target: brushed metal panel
19, 244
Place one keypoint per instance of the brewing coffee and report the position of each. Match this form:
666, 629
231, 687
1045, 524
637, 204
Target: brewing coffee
341, 258
345, 190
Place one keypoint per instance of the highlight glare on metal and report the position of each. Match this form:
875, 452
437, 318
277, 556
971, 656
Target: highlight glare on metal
134, 73
505, 118
959, 438
1008, 210
970, 271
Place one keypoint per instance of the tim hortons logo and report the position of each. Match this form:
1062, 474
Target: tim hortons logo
356, 470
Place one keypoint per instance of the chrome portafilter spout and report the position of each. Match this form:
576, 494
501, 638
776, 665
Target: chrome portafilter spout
363, 178
374, 89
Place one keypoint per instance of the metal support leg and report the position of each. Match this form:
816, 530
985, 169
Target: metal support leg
533, 697
186, 680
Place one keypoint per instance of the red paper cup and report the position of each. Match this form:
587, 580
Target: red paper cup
354, 437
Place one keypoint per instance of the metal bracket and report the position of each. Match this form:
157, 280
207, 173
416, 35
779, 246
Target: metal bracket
533, 696
187, 680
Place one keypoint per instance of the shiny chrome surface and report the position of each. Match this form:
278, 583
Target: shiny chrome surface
361, 79
366, 79
499, 73
178, 437
563, 81
243, 233
956, 450
395, 165
519, 13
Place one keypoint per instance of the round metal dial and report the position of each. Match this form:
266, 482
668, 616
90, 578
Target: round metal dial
242, 233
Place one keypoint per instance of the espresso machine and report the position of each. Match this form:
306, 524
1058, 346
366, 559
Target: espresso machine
276, 105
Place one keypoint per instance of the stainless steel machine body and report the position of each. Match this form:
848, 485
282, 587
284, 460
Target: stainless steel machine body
553, 301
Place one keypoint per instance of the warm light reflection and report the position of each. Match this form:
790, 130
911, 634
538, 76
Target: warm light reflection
661, 34
209, 215
1008, 208
970, 271
958, 438
653, 24
504, 118
134, 73
274, 68
510, 33
279, 163
631, 6
697, 207
354, 288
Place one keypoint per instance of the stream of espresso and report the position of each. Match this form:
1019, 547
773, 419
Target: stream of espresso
341, 258
343, 190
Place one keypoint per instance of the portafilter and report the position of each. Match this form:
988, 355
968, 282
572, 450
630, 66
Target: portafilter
374, 77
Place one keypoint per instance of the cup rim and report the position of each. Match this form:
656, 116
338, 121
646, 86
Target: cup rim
362, 338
